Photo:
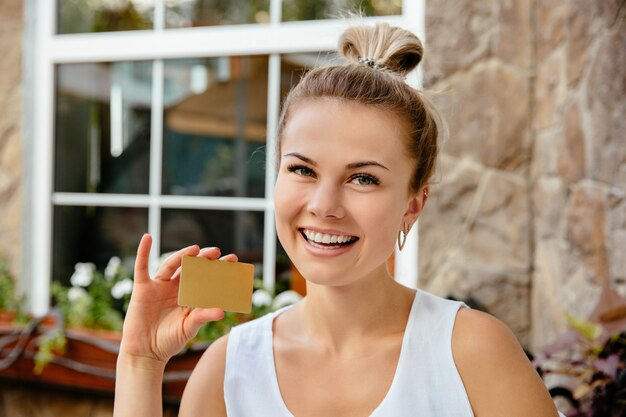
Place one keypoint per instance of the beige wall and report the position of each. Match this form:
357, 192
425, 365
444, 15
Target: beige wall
11, 31
529, 211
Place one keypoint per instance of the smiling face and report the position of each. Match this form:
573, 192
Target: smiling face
342, 192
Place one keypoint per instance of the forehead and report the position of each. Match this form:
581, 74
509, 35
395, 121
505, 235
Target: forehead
338, 129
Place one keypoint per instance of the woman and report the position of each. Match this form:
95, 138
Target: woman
357, 147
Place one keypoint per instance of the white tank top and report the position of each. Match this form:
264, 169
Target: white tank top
426, 383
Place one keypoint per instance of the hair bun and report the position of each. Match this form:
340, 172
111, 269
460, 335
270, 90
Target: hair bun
382, 45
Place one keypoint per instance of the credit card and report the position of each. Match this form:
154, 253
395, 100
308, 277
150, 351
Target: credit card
222, 284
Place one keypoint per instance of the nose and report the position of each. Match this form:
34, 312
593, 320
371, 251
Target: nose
326, 202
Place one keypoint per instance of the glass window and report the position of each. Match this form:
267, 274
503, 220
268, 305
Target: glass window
209, 142
239, 232
333, 9
294, 66
214, 129
81, 16
192, 13
94, 234
102, 138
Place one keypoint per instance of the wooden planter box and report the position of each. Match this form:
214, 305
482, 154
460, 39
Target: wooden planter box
88, 362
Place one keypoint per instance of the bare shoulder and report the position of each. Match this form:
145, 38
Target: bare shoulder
498, 377
204, 393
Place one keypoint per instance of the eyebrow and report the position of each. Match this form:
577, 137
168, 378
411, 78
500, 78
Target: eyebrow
352, 165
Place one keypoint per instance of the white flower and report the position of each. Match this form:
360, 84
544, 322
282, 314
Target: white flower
76, 293
112, 268
261, 298
285, 298
122, 288
83, 274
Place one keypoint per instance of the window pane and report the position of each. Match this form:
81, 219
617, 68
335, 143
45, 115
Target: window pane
332, 9
102, 140
239, 232
191, 13
215, 126
80, 16
95, 234
294, 66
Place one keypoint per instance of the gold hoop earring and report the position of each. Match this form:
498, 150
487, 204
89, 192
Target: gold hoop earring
402, 236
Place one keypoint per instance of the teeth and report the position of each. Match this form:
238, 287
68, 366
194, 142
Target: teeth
325, 238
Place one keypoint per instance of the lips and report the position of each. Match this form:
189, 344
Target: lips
327, 240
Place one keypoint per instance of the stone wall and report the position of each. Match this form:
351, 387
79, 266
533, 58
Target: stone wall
11, 30
578, 171
527, 213
475, 234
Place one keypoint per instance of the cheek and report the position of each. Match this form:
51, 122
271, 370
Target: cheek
381, 222
287, 203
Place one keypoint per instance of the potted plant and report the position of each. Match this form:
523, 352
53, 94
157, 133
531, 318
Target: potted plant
596, 361
77, 344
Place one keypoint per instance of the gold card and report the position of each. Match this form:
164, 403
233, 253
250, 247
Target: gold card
222, 284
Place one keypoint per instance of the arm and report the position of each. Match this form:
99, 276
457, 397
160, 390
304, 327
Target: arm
204, 392
498, 377
155, 329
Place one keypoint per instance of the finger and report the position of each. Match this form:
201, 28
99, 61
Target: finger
231, 257
171, 264
210, 253
176, 274
200, 316
142, 260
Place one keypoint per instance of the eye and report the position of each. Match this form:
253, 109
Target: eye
301, 170
364, 179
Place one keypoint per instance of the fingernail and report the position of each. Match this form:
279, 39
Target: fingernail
205, 250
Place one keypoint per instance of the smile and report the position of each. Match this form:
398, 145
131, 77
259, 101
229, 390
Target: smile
327, 241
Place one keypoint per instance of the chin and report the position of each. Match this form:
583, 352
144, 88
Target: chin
325, 275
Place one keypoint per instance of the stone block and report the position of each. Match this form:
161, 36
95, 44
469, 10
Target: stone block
514, 38
475, 215
550, 88
441, 223
11, 15
558, 283
579, 36
551, 26
11, 62
503, 294
544, 156
605, 107
586, 229
571, 147
549, 199
459, 35
498, 232
488, 113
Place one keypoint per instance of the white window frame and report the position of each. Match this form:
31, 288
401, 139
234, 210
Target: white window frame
273, 39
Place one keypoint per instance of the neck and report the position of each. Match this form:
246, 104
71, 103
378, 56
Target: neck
340, 318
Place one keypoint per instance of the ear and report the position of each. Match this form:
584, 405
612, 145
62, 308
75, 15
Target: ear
416, 205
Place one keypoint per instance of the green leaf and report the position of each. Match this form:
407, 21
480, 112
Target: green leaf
586, 328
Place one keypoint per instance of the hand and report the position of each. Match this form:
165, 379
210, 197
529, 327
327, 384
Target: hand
156, 327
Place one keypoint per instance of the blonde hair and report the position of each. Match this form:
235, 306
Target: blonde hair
377, 60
